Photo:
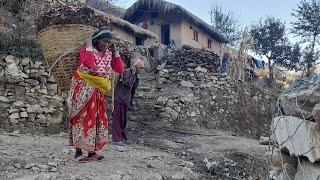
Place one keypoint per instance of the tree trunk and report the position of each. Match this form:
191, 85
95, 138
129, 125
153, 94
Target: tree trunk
309, 67
311, 60
270, 69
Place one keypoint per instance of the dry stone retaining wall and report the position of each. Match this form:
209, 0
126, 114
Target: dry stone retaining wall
188, 93
28, 95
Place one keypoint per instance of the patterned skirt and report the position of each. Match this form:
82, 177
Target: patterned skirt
88, 118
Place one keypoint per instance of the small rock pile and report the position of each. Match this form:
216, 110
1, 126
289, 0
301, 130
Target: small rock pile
28, 95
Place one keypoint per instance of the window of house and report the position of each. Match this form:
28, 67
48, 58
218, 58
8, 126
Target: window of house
209, 43
195, 35
139, 41
165, 34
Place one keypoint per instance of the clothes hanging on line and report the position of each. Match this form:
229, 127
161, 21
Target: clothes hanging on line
258, 63
224, 63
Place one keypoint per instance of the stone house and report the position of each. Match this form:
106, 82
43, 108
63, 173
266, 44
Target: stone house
170, 21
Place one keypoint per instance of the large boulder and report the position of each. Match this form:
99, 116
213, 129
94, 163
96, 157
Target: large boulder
316, 114
307, 170
297, 137
305, 89
301, 103
283, 163
12, 74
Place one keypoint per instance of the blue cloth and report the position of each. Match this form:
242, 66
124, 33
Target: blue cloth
224, 64
258, 63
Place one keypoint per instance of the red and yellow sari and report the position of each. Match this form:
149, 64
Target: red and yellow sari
87, 105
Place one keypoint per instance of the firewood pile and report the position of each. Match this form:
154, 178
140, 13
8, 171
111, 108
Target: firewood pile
189, 57
69, 15
80, 14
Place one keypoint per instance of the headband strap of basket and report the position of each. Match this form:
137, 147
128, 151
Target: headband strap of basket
101, 33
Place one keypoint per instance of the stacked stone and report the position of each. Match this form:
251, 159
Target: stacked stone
200, 97
28, 95
188, 58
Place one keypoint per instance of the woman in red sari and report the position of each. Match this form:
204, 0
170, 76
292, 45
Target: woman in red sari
89, 85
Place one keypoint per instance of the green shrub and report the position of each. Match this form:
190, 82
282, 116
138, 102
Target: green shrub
18, 42
14, 6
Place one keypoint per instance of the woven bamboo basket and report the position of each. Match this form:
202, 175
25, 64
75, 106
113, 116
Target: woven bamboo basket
61, 46
59, 39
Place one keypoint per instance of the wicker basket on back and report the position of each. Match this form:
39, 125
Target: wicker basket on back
61, 46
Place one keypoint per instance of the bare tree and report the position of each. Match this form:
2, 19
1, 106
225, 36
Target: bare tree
226, 22
113, 7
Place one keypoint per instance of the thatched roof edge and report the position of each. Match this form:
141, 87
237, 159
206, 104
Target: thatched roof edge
121, 23
171, 8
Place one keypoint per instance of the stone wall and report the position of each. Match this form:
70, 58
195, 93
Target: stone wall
214, 101
211, 100
186, 92
28, 96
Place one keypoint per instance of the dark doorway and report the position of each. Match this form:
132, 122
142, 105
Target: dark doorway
165, 34
139, 41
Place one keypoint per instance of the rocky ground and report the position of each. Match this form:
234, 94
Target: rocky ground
167, 107
155, 154
160, 150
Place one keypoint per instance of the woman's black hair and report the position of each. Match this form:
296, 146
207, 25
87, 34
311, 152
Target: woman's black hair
107, 35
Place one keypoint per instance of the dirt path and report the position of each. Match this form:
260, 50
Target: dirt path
236, 156
156, 154
28, 156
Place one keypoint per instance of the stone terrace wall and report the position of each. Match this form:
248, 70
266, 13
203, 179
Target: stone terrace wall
28, 96
199, 97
